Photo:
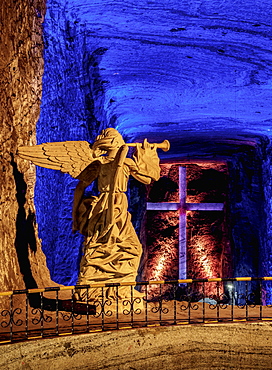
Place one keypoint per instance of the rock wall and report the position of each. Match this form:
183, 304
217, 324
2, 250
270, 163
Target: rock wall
247, 212
22, 262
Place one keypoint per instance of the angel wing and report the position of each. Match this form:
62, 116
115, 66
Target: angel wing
68, 156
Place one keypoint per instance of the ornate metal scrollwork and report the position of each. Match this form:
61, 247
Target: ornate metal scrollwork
42, 316
160, 307
11, 318
100, 308
191, 304
240, 300
68, 316
251, 300
220, 300
131, 304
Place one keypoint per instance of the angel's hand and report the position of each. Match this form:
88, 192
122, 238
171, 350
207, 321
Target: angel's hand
147, 161
146, 144
146, 149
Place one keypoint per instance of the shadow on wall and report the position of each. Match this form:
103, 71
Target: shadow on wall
25, 233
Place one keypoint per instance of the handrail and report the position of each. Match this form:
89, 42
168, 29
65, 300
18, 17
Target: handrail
135, 283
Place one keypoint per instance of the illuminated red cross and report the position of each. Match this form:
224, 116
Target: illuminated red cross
182, 207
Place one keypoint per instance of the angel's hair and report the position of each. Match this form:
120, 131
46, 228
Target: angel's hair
109, 139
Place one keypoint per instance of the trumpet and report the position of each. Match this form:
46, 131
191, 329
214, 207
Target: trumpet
164, 145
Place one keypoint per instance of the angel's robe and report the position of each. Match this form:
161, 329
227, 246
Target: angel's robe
112, 250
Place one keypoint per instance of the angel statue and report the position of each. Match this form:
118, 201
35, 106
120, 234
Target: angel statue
112, 250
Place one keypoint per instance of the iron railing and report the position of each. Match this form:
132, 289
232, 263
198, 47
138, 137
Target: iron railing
39, 313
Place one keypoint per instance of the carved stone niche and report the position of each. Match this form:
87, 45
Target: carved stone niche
208, 246
233, 243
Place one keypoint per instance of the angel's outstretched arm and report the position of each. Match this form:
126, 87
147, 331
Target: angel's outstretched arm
134, 172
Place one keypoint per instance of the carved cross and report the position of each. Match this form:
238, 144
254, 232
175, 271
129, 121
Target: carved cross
182, 207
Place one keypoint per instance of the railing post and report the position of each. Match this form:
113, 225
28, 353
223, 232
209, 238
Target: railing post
160, 300
131, 305
246, 301
189, 304
87, 308
261, 298
102, 309
42, 313
72, 310
117, 308
26, 317
146, 306
232, 303
57, 312
175, 285
218, 302
11, 318
203, 303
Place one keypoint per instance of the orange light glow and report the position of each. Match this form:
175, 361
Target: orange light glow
159, 268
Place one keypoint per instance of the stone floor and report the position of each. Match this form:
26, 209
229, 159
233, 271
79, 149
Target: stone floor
208, 346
